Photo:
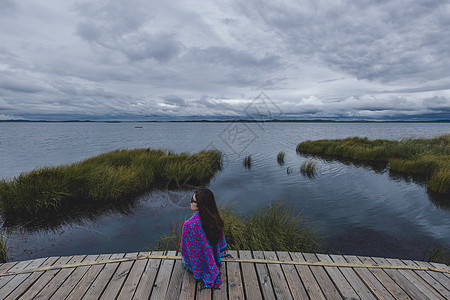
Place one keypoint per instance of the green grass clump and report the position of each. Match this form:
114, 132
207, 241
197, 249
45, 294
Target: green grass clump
280, 158
111, 177
248, 161
308, 168
3, 253
427, 157
276, 228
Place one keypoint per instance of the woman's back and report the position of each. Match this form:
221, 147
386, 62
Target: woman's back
200, 256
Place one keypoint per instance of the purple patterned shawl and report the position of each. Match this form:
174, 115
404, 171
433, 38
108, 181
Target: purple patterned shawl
199, 257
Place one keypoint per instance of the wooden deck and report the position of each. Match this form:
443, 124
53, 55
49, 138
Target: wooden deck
80, 277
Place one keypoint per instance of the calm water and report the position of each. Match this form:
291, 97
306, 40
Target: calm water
361, 209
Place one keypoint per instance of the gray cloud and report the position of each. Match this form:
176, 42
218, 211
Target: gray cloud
7, 7
174, 100
383, 40
113, 59
19, 86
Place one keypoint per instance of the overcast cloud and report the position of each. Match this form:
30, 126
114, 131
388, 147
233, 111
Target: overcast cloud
152, 60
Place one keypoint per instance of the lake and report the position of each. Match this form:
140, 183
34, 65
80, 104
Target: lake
360, 208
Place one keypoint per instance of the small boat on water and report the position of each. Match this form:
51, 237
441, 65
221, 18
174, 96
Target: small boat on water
137, 126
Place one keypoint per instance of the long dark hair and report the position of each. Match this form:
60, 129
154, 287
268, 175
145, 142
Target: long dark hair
212, 223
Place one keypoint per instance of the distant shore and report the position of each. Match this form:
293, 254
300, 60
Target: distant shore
223, 121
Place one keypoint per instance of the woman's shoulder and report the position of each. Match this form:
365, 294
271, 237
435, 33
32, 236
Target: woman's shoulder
193, 221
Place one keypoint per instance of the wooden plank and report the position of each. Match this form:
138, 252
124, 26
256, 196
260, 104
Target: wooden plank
115, 284
6, 266
162, 279
89, 277
188, 286
369, 279
279, 282
203, 293
19, 266
264, 277
292, 278
430, 280
101, 281
441, 266
145, 285
325, 282
58, 279
339, 280
353, 278
176, 280
438, 276
407, 286
222, 293
421, 284
132, 281
385, 279
71, 281
251, 284
30, 279
19, 278
307, 277
44, 279
235, 287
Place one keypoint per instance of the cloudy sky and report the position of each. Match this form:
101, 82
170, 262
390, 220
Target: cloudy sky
152, 60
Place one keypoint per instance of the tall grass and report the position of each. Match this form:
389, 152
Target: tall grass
274, 228
428, 157
3, 253
439, 254
308, 168
110, 177
280, 158
248, 162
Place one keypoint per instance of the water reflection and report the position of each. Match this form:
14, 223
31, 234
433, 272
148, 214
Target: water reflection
441, 201
136, 227
91, 212
369, 242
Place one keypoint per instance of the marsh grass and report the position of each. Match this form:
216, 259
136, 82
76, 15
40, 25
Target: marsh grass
248, 162
308, 168
112, 177
3, 252
274, 228
428, 157
438, 254
280, 158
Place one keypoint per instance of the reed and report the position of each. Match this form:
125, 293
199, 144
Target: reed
274, 228
111, 177
438, 254
3, 253
280, 158
428, 157
308, 168
248, 162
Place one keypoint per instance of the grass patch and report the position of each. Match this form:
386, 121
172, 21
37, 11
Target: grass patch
248, 162
115, 176
3, 253
308, 168
427, 157
280, 158
275, 228
438, 254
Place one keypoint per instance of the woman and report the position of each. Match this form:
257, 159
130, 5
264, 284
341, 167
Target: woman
203, 241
